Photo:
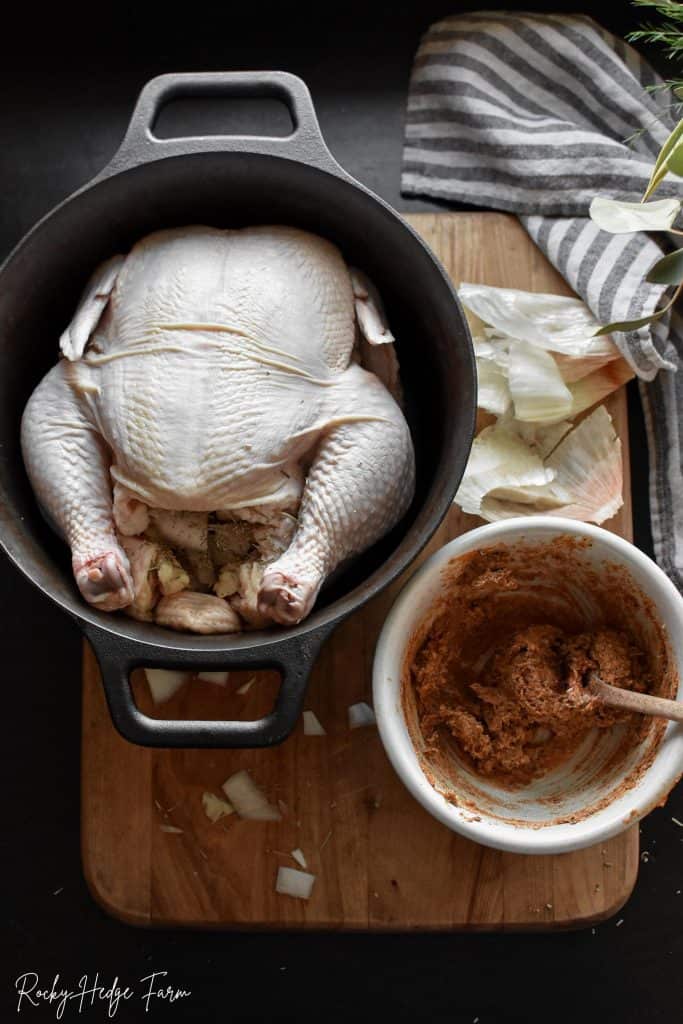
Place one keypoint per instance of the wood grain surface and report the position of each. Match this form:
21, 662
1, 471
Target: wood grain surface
382, 863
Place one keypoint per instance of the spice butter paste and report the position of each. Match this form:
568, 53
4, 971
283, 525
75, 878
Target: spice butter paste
497, 672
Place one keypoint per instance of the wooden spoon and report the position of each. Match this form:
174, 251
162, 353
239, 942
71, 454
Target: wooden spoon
643, 703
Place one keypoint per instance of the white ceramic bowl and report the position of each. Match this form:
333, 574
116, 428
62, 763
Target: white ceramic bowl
529, 827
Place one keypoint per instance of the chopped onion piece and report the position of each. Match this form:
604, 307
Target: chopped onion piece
361, 715
619, 217
538, 392
312, 726
171, 829
498, 458
248, 800
219, 678
164, 683
559, 323
298, 856
228, 582
246, 687
292, 882
171, 575
214, 807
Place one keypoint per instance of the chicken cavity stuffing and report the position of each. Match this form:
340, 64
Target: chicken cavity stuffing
223, 430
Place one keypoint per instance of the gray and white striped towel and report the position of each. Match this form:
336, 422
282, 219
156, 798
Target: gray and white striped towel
529, 113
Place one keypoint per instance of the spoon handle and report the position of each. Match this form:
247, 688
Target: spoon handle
643, 703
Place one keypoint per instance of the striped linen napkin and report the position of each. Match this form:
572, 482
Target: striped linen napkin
529, 113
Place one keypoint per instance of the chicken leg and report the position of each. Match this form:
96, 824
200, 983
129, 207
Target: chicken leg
359, 485
57, 430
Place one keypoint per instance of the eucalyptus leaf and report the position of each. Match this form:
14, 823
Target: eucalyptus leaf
672, 141
675, 161
633, 325
619, 217
668, 270
661, 166
655, 181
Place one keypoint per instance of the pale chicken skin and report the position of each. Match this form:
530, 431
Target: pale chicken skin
217, 371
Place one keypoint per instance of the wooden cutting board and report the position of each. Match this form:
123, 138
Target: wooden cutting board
381, 861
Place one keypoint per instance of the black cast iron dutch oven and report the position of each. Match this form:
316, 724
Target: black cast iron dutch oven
153, 183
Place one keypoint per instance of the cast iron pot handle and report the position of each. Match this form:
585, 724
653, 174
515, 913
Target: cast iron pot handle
293, 656
304, 144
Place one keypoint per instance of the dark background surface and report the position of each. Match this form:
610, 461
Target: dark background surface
67, 87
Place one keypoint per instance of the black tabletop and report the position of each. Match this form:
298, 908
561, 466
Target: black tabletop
67, 87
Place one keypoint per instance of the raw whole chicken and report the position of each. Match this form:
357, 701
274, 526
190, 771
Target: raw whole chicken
224, 428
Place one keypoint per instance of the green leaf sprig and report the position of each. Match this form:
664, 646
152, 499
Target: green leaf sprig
669, 269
